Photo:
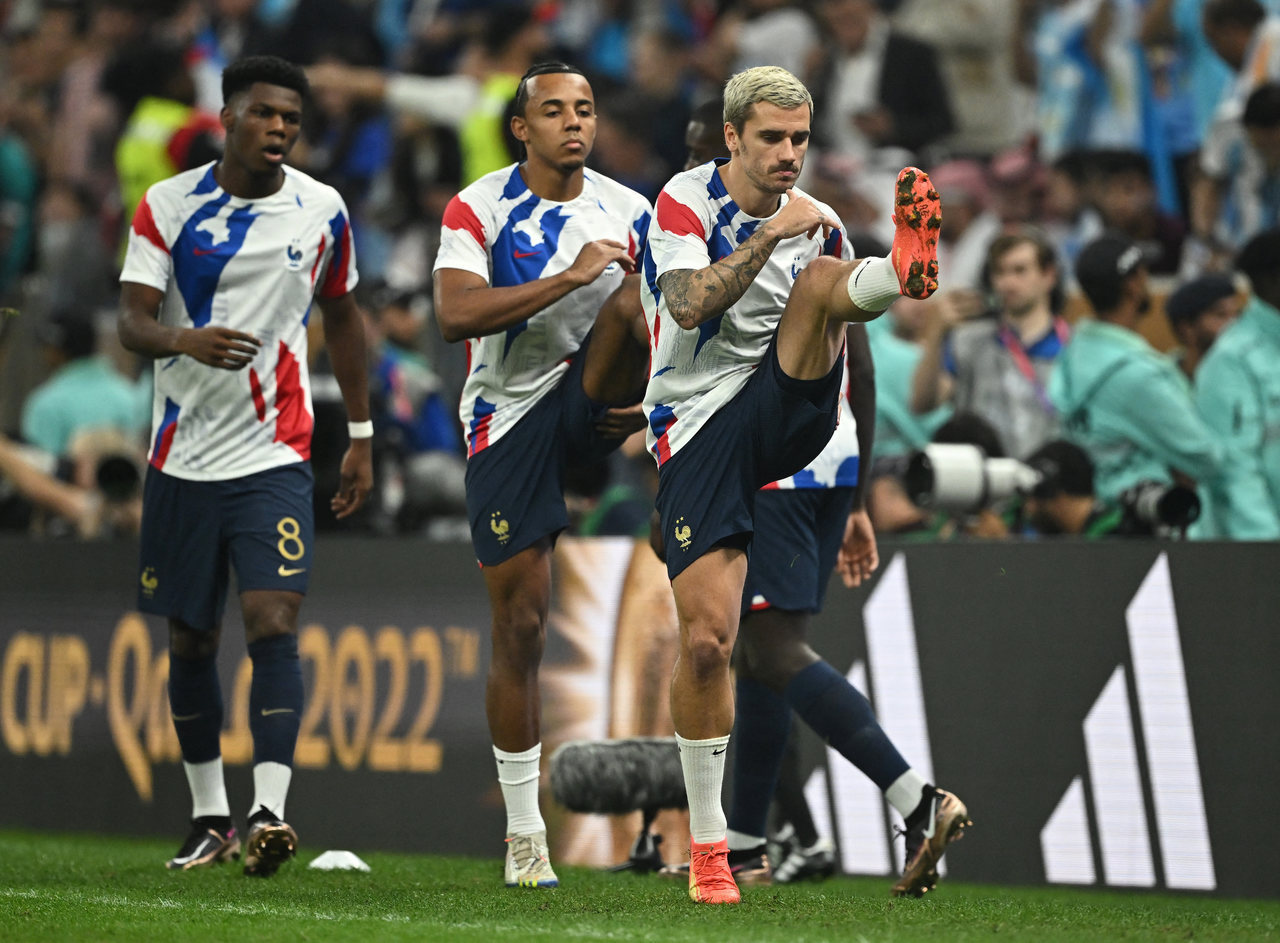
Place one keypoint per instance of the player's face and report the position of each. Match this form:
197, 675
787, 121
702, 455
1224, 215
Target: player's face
771, 148
1019, 280
559, 123
262, 123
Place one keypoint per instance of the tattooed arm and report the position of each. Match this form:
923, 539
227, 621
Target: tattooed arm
697, 295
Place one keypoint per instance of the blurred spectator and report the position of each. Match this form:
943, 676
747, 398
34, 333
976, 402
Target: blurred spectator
1238, 391
895, 349
1088, 76
760, 32
73, 260
1064, 502
1126, 202
974, 41
1248, 40
1244, 198
1124, 403
102, 498
82, 392
1070, 221
1198, 312
164, 132
999, 368
18, 187
876, 87
969, 225
657, 103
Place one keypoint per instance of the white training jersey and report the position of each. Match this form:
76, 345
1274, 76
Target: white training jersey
500, 230
693, 373
252, 266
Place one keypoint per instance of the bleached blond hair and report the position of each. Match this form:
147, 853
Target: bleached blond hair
766, 83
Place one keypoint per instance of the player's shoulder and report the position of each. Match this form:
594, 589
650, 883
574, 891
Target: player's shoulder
304, 186
174, 190
505, 183
701, 182
610, 191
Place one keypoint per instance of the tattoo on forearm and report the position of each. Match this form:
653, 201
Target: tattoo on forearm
696, 296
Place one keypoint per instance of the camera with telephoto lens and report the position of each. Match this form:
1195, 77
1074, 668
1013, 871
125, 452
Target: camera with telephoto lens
1154, 508
961, 479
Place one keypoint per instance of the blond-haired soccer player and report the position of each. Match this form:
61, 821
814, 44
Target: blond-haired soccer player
748, 284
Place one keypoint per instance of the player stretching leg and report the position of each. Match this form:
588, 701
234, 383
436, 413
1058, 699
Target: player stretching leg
528, 257
223, 264
749, 286
804, 526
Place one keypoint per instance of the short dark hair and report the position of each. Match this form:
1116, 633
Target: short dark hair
1247, 13
542, 68
965, 428
1262, 108
1064, 468
1260, 258
1003, 245
270, 70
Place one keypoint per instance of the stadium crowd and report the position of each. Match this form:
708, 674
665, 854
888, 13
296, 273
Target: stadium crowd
1109, 170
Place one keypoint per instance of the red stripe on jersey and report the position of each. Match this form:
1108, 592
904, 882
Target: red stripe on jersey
468, 343
161, 451
479, 436
293, 422
677, 219
144, 224
255, 388
319, 256
631, 245
771, 486
459, 216
662, 446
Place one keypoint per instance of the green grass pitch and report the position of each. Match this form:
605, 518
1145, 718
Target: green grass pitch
74, 887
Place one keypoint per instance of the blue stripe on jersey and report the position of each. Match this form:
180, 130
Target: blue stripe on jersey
805, 478
517, 260
641, 229
515, 184
199, 259
208, 183
650, 270
848, 473
481, 411
715, 186
707, 330
171, 410
661, 417
747, 230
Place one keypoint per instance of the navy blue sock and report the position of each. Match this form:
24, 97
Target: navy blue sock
840, 715
275, 698
195, 700
759, 741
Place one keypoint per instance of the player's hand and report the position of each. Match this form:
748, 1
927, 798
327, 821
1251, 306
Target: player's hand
620, 421
357, 479
858, 557
220, 347
597, 256
801, 215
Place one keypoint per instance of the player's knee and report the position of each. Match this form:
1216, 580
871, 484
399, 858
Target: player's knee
270, 614
518, 637
708, 654
816, 278
191, 644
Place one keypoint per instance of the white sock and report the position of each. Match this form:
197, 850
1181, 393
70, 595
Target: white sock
904, 792
208, 791
703, 765
740, 841
270, 787
518, 775
873, 285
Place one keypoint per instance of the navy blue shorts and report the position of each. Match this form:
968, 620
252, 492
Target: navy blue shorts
797, 539
515, 487
194, 531
773, 428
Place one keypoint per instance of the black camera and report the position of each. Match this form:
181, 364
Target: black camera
1159, 509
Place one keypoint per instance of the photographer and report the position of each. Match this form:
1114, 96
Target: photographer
1063, 502
1119, 399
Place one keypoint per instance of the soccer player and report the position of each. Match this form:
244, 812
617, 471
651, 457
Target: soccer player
528, 256
748, 288
223, 264
804, 526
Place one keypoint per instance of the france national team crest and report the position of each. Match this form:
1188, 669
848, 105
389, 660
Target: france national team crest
293, 255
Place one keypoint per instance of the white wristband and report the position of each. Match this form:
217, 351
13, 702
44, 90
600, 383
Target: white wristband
360, 430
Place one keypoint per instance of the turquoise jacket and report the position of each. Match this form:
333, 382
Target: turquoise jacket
1131, 410
1238, 390
899, 431
82, 394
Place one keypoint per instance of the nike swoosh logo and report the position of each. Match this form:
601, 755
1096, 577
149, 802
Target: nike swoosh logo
857, 275
525, 255
719, 751
201, 849
183, 717
934, 804
287, 571
203, 251
277, 710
